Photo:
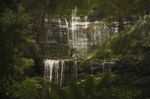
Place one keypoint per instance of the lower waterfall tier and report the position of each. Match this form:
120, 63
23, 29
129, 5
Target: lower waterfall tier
61, 71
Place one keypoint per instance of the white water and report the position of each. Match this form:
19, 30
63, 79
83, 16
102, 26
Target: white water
77, 39
49, 67
62, 72
81, 34
54, 70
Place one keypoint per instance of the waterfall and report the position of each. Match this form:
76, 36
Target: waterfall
60, 25
49, 67
76, 69
54, 70
81, 34
103, 66
62, 72
67, 26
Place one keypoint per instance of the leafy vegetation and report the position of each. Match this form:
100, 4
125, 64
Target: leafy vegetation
24, 45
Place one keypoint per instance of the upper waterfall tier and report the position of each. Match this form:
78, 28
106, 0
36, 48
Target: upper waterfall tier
78, 34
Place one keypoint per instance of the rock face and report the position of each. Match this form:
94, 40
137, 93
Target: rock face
61, 71
78, 33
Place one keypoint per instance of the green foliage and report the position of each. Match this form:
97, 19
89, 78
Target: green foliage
14, 36
18, 26
59, 93
105, 86
131, 49
58, 7
130, 41
35, 88
14, 29
22, 65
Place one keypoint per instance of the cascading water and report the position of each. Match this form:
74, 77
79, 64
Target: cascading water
103, 66
80, 34
60, 30
49, 67
76, 69
62, 72
54, 70
51, 71
80, 38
